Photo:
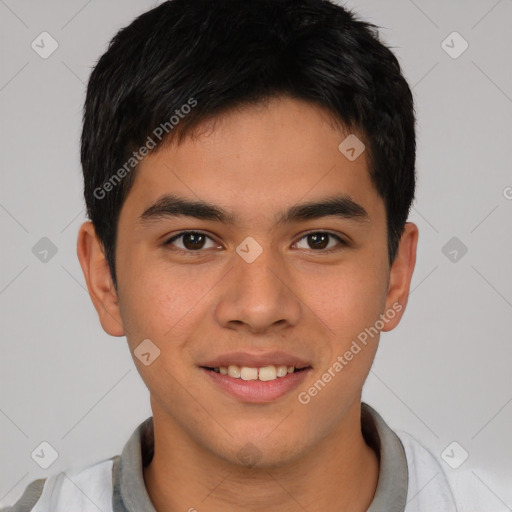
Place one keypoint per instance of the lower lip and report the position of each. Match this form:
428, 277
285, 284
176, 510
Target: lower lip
257, 391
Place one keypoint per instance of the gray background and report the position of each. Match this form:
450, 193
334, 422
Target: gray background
443, 375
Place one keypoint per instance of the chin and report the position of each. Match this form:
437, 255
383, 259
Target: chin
262, 453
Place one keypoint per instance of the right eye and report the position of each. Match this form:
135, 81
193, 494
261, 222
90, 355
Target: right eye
190, 241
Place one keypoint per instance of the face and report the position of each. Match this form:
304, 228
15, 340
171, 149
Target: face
280, 263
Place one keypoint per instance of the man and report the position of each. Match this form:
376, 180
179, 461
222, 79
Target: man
249, 166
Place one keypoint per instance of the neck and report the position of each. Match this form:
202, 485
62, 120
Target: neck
340, 469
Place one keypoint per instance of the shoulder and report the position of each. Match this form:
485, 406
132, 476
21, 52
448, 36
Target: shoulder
426, 471
80, 489
428, 487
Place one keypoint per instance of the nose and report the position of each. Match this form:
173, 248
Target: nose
258, 296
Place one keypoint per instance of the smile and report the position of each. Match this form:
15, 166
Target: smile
264, 373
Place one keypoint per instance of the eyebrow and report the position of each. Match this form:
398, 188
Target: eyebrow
171, 205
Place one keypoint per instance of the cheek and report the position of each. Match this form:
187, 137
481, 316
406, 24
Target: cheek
162, 302
347, 299
350, 307
163, 309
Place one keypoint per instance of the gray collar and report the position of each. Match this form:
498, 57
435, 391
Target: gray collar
130, 493
391, 492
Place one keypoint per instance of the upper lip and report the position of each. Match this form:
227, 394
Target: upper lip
256, 360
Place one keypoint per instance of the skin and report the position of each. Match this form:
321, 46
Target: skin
253, 162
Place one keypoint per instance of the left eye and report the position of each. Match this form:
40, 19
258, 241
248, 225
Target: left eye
191, 241
319, 240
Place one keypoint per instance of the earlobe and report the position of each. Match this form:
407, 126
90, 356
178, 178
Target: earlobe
99, 280
401, 275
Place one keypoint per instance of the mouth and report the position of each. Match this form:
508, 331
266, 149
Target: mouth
263, 373
256, 378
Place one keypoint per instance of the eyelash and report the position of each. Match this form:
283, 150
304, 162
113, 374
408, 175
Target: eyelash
341, 243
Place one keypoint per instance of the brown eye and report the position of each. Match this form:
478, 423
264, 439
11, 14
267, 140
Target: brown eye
320, 240
190, 241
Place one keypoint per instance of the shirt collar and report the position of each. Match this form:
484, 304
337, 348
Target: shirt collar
130, 494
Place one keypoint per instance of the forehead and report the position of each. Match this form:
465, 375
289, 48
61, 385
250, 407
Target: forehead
256, 159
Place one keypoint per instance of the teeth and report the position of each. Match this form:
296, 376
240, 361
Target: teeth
265, 373
281, 371
248, 373
234, 371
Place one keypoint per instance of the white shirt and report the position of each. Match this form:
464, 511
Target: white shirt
410, 478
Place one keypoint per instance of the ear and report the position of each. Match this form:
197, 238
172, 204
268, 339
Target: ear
400, 275
99, 281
